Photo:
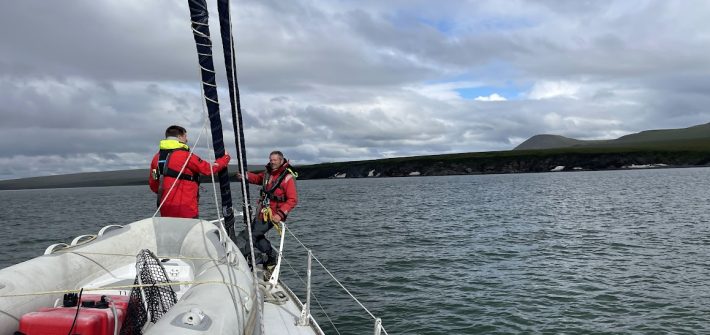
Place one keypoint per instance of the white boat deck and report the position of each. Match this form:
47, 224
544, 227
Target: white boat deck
279, 318
208, 282
283, 318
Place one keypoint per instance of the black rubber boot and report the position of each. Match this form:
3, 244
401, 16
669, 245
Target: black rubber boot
272, 259
270, 264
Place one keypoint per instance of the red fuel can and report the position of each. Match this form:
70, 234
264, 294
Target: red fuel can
95, 317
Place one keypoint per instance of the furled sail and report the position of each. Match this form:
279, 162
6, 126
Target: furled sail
203, 42
225, 25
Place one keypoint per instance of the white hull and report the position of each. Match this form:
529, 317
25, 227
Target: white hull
212, 276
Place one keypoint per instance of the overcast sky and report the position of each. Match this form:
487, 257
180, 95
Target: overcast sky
92, 85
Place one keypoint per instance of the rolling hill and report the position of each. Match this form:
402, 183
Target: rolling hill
687, 147
644, 138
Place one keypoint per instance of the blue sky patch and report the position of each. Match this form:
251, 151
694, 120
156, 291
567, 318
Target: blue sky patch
508, 92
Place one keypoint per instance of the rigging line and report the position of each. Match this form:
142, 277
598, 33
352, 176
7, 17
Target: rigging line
235, 97
209, 144
192, 148
212, 158
133, 255
225, 12
240, 137
312, 293
202, 12
235, 100
333, 276
219, 220
343, 287
214, 186
199, 13
120, 287
318, 301
236, 119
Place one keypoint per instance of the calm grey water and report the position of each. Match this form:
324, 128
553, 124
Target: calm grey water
618, 252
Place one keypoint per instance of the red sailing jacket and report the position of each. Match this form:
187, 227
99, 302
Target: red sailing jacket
286, 190
182, 201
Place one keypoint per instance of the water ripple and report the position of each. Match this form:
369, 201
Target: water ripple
619, 252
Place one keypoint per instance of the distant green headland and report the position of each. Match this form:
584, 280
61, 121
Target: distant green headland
685, 147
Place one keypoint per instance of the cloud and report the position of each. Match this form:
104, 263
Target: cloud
548, 90
92, 85
492, 97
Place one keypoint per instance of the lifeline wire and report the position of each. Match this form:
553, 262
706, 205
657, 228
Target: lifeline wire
314, 295
335, 279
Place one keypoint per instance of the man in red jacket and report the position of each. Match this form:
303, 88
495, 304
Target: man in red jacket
179, 192
278, 198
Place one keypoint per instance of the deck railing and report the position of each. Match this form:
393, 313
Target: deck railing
305, 311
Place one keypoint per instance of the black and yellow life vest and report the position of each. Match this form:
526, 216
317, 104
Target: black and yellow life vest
167, 147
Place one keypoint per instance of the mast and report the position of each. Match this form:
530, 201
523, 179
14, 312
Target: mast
225, 26
201, 32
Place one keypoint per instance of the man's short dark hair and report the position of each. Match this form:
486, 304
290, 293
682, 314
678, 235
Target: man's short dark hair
175, 131
276, 152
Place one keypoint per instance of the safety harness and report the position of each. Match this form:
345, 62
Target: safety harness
167, 147
267, 195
